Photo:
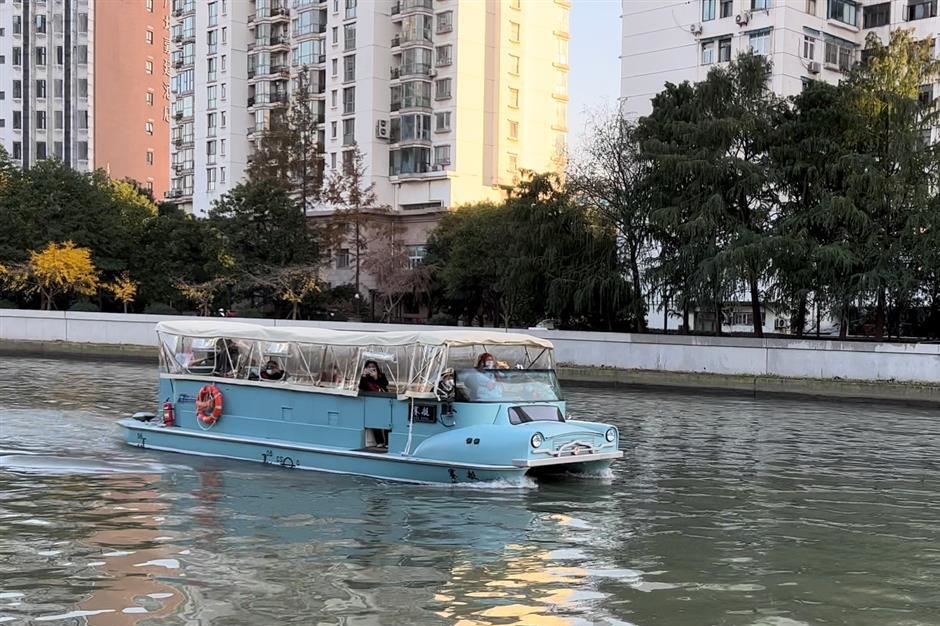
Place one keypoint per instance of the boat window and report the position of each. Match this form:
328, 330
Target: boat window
535, 413
475, 385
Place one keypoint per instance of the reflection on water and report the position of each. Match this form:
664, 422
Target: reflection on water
724, 511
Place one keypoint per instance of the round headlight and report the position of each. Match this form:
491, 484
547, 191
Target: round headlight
611, 434
537, 440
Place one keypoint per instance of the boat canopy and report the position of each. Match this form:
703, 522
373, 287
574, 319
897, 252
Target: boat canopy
303, 334
333, 360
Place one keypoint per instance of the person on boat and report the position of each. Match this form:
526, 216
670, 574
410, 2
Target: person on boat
226, 356
330, 375
272, 371
372, 378
486, 362
446, 386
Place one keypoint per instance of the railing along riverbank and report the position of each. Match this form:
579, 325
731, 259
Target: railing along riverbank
825, 368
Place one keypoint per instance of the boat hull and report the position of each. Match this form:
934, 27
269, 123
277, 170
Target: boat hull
383, 465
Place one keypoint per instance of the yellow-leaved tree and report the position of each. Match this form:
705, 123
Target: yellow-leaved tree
201, 294
58, 269
124, 289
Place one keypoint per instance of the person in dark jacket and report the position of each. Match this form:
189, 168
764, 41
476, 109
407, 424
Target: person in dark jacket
372, 378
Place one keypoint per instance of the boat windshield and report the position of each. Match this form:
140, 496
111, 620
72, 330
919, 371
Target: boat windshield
475, 385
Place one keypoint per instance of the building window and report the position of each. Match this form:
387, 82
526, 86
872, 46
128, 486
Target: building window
58, 149
844, 11
149, 157
349, 68
211, 97
442, 89
40, 120
921, 10
148, 127
809, 47
149, 5
17, 56
349, 100
514, 34
17, 120
83, 22
876, 15
349, 36
342, 256
561, 115
724, 50
761, 5
41, 55
334, 63
708, 10
513, 162
513, 130
445, 22
726, 8
58, 120
708, 52
41, 88
442, 121
18, 89
40, 23
17, 150
334, 98
411, 160
445, 55
760, 42
350, 9
148, 37
417, 254
41, 150
513, 64
59, 55
333, 126
148, 66
210, 179
349, 132
213, 14
442, 155
17, 24
840, 54
514, 97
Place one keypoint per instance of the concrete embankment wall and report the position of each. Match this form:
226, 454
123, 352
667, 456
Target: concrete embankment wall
883, 371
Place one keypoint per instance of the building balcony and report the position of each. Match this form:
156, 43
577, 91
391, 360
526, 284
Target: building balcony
396, 41
411, 69
405, 7
273, 14
279, 42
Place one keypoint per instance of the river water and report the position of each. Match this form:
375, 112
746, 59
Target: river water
724, 511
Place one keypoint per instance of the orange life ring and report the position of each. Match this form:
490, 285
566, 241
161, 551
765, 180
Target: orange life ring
209, 405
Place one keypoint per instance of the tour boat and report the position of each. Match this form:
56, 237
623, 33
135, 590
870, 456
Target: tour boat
426, 406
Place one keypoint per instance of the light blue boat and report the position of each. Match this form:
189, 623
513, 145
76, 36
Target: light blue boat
427, 407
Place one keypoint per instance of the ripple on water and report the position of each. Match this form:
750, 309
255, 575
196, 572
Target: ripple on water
724, 511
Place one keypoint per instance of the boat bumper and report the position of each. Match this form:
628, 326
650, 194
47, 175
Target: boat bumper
569, 459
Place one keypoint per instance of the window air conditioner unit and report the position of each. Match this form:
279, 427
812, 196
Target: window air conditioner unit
742, 18
381, 129
813, 67
695, 29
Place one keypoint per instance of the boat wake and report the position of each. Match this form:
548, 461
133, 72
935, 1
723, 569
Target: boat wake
45, 464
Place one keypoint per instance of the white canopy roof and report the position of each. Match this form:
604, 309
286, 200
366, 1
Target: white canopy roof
254, 332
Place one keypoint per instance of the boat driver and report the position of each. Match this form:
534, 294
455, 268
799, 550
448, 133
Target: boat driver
272, 371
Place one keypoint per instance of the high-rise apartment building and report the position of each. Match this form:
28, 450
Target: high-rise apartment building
805, 39
82, 81
445, 100
47, 81
132, 91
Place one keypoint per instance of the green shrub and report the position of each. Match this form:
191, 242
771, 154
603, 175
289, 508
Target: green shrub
85, 306
7, 304
160, 308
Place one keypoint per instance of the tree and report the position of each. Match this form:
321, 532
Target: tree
262, 227
58, 269
293, 284
395, 276
893, 172
289, 150
356, 205
720, 149
123, 289
611, 178
201, 294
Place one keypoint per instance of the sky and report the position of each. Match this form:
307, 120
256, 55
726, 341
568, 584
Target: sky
593, 61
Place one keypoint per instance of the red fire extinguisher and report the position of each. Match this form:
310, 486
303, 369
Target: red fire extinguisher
169, 414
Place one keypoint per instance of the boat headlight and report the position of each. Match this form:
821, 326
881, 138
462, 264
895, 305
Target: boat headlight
537, 440
611, 434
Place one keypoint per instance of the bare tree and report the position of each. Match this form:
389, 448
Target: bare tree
609, 176
292, 284
389, 264
356, 206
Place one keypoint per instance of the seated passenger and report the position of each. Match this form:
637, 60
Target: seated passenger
446, 387
272, 371
330, 376
372, 378
486, 362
